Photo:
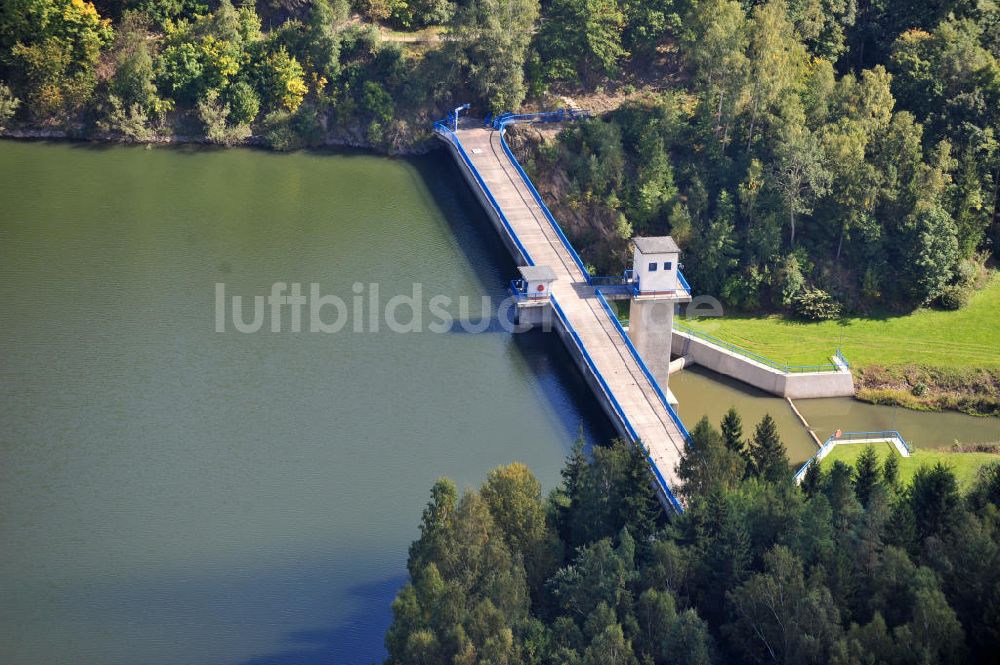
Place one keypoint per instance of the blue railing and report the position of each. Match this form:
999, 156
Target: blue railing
548, 116
610, 280
642, 365
519, 289
623, 290
623, 284
628, 282
661, 481
541, 204
880, 434
756, 357
444, 131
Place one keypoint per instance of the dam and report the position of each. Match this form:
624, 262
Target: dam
556, 289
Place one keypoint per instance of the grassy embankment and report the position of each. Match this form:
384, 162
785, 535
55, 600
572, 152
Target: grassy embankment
929, 359
965, 464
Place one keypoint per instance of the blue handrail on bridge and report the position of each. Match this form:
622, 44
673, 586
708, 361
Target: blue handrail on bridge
444, 131
560, 115
642, 365
502, 124
684, 282
661, 481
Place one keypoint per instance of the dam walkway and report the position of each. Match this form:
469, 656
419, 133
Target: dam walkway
582, 315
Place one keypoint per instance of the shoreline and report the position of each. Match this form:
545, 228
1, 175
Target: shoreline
932, 388
414, 148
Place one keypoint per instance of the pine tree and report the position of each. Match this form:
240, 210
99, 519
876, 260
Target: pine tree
732, 431
576, 465
890, 472
707, 464
767, 452
640, 507
724, 557
866, 477
812, 482
935, 501
569, 495
839, 490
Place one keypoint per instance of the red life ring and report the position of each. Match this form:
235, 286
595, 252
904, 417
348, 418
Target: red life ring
540, 287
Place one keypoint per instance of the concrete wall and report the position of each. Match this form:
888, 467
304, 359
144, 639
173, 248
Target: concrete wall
484, 201
538, 314
651, 325
794, 385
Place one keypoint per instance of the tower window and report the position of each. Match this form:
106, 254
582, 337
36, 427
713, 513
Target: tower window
667, 265
652, 267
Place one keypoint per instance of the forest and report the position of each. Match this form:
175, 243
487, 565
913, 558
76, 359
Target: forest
813, 158
818, 157
851, 567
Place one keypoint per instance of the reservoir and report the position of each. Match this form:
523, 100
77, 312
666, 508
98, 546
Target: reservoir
173, 495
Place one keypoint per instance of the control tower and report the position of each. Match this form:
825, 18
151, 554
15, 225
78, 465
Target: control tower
656, 292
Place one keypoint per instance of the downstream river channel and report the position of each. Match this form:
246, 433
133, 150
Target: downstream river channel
175, 495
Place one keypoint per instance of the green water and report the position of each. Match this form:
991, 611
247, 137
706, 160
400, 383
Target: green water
173, 495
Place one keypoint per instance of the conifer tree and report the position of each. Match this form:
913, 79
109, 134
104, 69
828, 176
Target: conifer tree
890, 472
767, 452
866, 477
640, 506
813, 480
707, 463
732, 431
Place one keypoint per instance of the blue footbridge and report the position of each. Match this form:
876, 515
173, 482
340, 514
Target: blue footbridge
581, 314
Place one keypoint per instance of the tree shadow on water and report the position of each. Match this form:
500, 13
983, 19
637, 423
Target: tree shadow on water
355, 640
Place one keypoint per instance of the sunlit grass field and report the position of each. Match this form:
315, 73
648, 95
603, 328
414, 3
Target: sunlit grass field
965, 465
969, 337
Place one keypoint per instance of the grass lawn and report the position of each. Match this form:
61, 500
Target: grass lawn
969, 337
965, 465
